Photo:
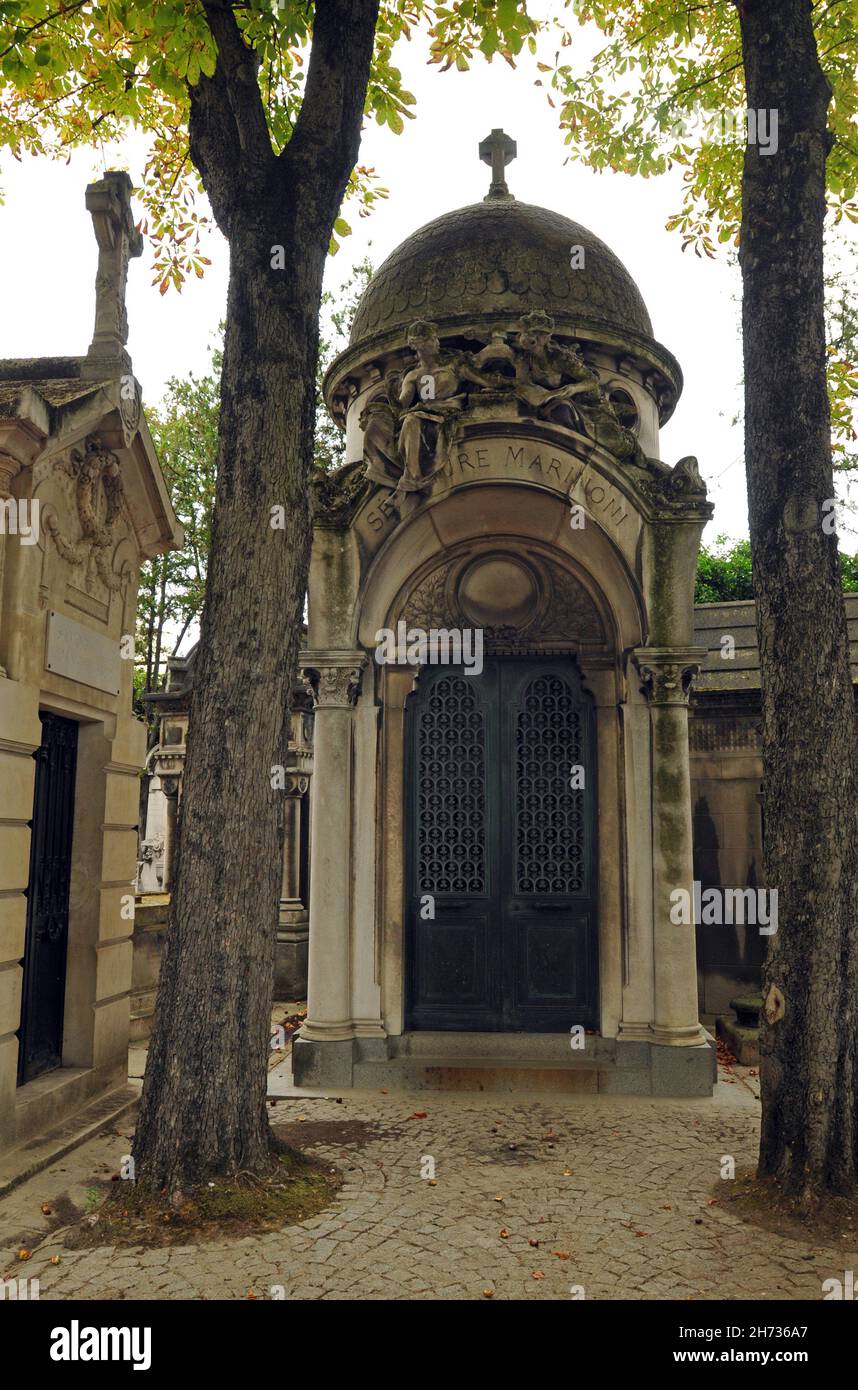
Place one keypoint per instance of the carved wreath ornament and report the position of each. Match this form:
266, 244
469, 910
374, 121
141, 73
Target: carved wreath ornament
99, 495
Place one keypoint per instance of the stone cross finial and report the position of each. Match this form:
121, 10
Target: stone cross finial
498, 150
109, 202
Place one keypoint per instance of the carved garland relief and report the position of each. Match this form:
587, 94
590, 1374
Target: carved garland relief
98, 496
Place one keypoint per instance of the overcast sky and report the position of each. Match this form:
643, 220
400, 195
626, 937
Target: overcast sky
48, 252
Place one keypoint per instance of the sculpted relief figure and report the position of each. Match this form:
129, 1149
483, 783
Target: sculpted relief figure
410, 422
408, 428
555, 383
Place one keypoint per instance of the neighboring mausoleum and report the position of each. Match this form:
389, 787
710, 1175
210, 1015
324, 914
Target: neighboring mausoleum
83, 505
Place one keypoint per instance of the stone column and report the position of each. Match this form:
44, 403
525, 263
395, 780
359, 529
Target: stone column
667, 673
170, 788
290, 968
335, 681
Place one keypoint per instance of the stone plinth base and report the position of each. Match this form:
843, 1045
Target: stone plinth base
150, 931
505, 1062
291, 956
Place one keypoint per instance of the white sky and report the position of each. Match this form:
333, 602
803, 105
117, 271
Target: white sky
48, 252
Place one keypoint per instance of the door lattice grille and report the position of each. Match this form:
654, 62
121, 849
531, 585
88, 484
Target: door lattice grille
549, 827
451, 792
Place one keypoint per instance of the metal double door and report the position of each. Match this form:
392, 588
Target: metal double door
501, 872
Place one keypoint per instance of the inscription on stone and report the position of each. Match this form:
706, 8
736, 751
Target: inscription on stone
501, 459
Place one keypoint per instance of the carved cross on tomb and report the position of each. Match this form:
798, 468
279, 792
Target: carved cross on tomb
109, 202
498, 150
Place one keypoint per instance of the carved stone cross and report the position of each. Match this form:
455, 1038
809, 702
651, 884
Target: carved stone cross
109, 202
498, 150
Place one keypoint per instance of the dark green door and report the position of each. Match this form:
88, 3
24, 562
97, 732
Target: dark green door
40, 1037
502, 927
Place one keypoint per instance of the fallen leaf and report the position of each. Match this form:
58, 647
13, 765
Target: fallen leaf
418, 1115
667, 1208
561, 1254
251, 1294
641, 1233
537, 1274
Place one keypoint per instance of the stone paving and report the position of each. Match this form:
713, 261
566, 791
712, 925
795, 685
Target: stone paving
616, 1191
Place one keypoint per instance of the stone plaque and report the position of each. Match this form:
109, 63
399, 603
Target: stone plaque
81, 654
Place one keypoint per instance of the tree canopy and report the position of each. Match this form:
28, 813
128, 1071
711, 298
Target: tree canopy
74, 73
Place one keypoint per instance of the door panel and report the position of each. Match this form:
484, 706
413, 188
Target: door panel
501, 849
46, 942
452, 961
547, 845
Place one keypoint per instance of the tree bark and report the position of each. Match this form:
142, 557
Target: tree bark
810, 756
203, 1105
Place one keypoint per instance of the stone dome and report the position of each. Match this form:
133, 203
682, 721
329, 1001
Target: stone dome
501, 257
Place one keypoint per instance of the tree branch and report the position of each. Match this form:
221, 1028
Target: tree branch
327, 131
225, 136
239, 66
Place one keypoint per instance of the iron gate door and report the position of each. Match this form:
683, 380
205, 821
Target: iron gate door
502, 929
46, 943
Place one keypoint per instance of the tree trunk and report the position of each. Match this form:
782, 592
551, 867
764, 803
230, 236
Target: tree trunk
203, 1105
810, 756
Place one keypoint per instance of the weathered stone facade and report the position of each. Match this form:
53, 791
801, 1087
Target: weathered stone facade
75, 451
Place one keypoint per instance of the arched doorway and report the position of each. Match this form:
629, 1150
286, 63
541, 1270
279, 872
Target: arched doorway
501, 892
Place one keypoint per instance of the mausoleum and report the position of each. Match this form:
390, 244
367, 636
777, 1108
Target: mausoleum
82, 504
500, 649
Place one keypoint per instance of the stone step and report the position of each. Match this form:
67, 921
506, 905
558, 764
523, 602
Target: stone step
508, 1048
577, 1076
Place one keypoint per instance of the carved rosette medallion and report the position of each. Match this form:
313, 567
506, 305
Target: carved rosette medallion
513, 599
130, 405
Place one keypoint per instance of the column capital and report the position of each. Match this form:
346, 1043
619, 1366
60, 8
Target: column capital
667, 672
333, 679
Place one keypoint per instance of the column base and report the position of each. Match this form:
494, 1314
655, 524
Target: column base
323, 1066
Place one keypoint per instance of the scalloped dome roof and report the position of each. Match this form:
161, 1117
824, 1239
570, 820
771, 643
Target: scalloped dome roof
500, 256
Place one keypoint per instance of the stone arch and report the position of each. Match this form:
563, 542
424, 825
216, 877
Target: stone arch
507, 518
